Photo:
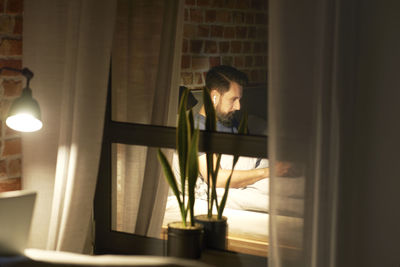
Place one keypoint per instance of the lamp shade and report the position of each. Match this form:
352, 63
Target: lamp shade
24, 114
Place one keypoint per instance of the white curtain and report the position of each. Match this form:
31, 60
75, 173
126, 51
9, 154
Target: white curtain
67, 44
333, 81
145, 81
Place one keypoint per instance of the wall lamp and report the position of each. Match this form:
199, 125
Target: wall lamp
24, 113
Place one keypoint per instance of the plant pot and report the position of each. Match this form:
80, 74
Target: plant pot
184, 242
214, 231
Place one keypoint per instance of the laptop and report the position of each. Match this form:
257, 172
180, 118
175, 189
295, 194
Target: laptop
16, 210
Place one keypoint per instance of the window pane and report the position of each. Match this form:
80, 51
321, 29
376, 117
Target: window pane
140, 196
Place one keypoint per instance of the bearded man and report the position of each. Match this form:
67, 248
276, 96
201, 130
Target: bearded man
225, 84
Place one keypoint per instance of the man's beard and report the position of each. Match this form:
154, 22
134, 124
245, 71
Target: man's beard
224, 118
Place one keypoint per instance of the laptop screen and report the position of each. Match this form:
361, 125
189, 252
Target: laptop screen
16, 209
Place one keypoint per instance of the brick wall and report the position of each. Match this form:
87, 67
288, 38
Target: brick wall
11, 85
229, 32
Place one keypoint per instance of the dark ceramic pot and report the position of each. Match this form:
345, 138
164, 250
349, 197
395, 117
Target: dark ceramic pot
214, 231
184, 242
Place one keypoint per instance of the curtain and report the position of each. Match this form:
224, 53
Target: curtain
67, 44
145, 81
304, 116
333, 103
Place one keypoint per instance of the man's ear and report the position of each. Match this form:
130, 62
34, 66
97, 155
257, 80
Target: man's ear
214, 97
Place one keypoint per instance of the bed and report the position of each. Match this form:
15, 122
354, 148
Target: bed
247, 209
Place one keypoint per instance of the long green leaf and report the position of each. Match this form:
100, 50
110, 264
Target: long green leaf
211, 119
193, 172
182, 136
169, 175
242, 130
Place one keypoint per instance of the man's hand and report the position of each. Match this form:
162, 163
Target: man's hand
240, 178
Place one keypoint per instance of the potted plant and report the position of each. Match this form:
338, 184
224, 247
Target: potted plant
215, 225
184, 237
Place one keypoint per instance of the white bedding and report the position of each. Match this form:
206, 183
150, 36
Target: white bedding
241, 223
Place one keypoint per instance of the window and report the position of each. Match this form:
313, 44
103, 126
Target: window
139, 120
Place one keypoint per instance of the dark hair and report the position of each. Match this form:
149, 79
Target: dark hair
219, 78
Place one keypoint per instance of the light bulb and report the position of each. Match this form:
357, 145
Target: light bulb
24, 122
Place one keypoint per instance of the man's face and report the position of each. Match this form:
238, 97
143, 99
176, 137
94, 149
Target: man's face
228, 103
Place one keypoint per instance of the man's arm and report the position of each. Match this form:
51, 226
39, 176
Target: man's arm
240, 178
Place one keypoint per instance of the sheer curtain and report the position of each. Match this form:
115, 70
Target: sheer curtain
304, 116
145, 81
67, 44
333, 98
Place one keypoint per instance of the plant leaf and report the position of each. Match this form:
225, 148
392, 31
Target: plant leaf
169, 175
182, 136
193, 172
211, 119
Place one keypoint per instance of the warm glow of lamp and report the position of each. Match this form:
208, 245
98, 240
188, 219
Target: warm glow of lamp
24, 114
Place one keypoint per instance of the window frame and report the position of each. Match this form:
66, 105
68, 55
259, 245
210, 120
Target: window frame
107, 240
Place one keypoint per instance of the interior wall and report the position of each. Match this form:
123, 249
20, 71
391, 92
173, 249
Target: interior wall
231, 33
11, 84
369, 218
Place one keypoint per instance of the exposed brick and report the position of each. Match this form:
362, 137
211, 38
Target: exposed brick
257, 4
203, 3
257, 47
203, 31
262, 33
215, 61
227, 61
190, 2
210, 16
198, 79
4, 106
10, 184
224, 47
236, 47
6, 24
252, 32
242, 4
217, 3
238, 17
11, 47
217, 31
14, 167
186, 14
239, 61
241, 32
228, 3
186, 78
258, 61
10, 132
189, 30
196, 15
185, 45
223, 16
2, 6
199, 63
211, 47
261, 18
254, 75
12, 63
249, 18
3, 169
12, 147
14, 6
186, 61
17, 25
196, 46
247, 47
12, 88
229, 32
248, 62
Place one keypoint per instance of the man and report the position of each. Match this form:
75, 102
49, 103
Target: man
226, 87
